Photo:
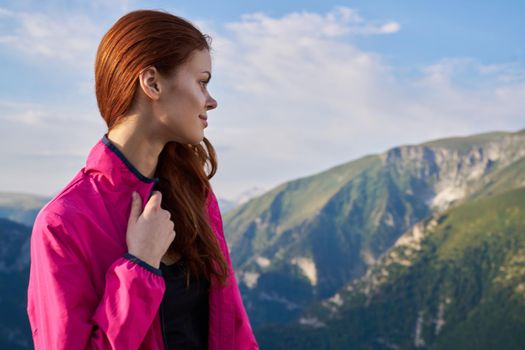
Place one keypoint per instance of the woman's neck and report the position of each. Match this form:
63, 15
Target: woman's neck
138, 147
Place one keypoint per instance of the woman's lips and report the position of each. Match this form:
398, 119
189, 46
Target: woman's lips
204, 120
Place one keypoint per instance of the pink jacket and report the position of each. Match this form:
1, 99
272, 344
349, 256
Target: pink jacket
86, 291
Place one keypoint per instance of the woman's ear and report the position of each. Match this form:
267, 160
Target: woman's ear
149, 82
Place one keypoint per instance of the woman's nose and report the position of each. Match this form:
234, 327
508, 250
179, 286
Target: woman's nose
212, 103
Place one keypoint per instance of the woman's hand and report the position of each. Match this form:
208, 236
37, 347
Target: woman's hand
151, 232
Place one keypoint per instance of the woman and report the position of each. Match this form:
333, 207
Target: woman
131, 253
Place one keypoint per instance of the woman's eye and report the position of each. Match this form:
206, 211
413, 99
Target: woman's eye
205, 83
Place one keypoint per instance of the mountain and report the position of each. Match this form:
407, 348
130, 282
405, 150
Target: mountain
249, 194
228, 204
21, 207
15, 331
453, 281
304, 240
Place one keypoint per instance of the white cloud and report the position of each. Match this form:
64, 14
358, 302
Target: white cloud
295, 95
44, 145
6, 12
390, 27
36, 115
339, 22
70, 39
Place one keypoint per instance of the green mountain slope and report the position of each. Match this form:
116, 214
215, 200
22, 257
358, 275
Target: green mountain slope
455, 281
305, 239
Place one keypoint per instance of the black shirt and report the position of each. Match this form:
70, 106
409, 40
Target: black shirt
186, 310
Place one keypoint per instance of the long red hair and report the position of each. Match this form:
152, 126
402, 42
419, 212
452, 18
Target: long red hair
154, 38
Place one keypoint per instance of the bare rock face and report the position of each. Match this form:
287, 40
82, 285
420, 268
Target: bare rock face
453, 173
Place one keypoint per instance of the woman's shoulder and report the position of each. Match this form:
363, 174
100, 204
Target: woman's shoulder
70, 199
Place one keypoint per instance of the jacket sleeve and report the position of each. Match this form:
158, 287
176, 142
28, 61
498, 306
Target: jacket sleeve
244, 336
67, 312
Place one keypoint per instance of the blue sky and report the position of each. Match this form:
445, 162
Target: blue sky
302, 85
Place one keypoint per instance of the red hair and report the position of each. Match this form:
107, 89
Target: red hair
154, 38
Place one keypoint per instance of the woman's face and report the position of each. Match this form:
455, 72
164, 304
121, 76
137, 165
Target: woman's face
184, 100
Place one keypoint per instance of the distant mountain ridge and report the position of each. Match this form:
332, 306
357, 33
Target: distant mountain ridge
21, 207
228, 204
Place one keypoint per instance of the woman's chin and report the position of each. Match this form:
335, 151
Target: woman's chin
196, 141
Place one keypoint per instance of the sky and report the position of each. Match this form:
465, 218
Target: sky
301, 86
